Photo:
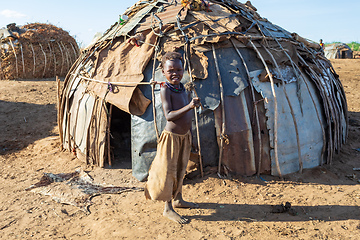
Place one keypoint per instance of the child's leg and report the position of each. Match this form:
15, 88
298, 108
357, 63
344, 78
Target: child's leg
179, 202
172, 215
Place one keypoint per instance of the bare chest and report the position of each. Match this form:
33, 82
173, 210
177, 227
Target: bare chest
179, 100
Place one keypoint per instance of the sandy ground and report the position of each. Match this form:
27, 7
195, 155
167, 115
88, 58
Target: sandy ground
326, 199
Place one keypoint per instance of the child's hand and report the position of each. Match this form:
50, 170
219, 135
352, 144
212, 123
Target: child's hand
195, 102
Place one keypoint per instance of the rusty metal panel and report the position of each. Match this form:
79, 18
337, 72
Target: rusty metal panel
310, 131
238, 155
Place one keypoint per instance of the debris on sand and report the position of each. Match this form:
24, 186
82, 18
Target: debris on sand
284, 209
76, 188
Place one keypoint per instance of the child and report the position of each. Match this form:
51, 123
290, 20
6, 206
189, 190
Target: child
173, 151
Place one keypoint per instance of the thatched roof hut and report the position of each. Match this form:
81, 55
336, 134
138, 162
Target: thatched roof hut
36, 50
272, 103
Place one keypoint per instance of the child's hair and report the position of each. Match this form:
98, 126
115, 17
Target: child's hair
171, 56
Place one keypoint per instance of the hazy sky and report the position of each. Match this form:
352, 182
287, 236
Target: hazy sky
313, 19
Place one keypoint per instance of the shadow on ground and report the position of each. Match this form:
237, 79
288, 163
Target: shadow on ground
24, 123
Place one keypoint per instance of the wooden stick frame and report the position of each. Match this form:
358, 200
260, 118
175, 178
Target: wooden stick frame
223, 125
291, 108
255, 106
34, 58
16, 59
275, 109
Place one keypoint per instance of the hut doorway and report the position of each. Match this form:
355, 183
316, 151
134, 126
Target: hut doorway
120, 140
343, 54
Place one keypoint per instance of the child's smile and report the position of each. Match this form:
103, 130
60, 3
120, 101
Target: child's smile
173, 71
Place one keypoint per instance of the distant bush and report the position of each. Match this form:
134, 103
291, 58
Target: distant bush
355, 46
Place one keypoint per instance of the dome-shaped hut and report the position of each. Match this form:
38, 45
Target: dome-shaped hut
338, 51
271, 102
36, 50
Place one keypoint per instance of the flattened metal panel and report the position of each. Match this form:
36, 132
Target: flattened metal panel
238, 155
86, 107
233, 77
77, 91
271, 30
134, 21
167, 16
310, 132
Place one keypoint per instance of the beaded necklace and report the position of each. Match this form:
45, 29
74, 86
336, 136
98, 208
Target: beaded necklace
175, 89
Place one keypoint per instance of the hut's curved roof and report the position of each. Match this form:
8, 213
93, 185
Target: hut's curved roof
165, 25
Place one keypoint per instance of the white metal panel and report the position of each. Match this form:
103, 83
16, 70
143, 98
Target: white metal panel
310, 131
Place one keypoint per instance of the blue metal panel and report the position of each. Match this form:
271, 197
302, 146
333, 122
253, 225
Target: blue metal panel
143, 136
233, 77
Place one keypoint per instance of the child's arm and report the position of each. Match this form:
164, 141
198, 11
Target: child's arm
170, 114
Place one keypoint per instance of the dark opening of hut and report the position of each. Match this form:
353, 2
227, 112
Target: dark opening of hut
120, 138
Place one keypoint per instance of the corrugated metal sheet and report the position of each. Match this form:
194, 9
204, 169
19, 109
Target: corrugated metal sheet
271, 30
310, 132
238, 155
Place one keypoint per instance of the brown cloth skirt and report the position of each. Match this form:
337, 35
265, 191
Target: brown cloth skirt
167, 171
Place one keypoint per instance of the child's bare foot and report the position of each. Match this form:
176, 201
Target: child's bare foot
179, 202
172, 215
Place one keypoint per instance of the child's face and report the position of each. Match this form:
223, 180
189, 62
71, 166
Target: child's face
173, 71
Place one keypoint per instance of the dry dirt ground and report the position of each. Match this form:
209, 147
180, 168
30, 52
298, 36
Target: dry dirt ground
326, 199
